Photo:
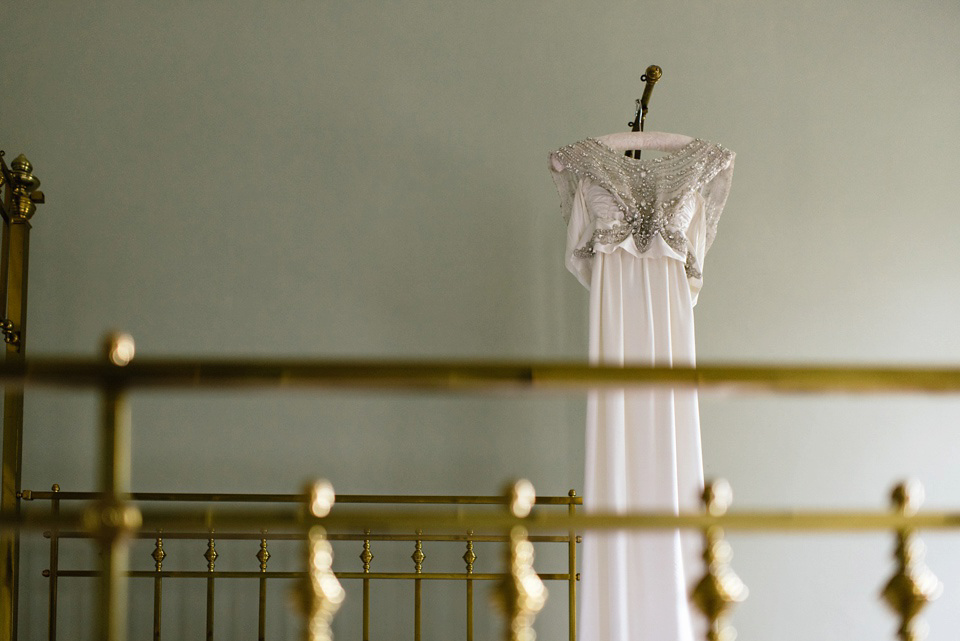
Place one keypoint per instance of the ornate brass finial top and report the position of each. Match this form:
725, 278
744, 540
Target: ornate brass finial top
653, 73
159, 554
263, 555
20, 163
908, 496
25, 189
913, 585
717, 497
322, 497
119, 348
521, 497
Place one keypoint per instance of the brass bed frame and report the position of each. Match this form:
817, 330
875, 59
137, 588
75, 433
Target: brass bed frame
113, 516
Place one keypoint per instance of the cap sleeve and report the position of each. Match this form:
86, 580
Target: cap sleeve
715, 187
566, 182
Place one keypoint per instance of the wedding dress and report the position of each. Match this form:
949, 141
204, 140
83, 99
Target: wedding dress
637, 235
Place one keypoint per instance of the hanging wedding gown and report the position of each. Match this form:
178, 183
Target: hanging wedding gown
637, 234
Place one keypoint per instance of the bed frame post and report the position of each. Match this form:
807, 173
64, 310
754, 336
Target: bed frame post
113, 518
20, 198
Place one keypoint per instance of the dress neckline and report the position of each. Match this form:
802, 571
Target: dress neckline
619, 153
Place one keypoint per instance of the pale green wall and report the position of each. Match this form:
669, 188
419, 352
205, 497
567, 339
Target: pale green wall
369, 179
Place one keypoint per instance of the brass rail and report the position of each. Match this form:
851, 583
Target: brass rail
472, 375
439, 499
113, 518
404, 576
199, 521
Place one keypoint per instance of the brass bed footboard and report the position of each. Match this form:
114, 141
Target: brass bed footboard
521, 591
113, 515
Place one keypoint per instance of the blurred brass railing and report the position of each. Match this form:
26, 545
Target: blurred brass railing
473, 375
292, 519
112, 518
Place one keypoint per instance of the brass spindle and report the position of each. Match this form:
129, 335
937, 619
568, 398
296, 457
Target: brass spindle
572, 572
112, 518
263, 556
522, 594
418, 558
469, 558
720, 587
366, 557
913, 585
159, 554
211, 556
321, 594
54, 567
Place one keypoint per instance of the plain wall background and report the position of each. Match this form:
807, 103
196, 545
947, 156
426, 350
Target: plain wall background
369, 179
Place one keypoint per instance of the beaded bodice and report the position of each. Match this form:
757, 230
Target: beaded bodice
650, 194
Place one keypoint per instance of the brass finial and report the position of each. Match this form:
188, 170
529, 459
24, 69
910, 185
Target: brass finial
913, 585
321, 497
321, 594
11, 335
653, 73
119, 348
469, 557
211, 554
263, 555
521, 497
21, 164
366, 556
907, 497
159, 554
24, 189
418, 555
720, 587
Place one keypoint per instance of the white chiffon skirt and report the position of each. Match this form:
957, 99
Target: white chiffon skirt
643, 452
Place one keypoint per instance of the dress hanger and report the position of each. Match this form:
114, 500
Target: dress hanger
636, 139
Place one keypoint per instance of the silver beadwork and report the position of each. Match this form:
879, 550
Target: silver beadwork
649, 193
